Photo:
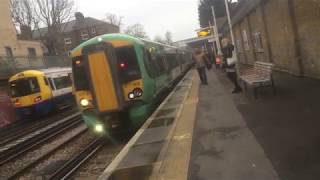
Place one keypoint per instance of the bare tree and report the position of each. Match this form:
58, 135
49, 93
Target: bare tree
52, 14
136, 30
168, 37
159, 39
114, 19
24, 16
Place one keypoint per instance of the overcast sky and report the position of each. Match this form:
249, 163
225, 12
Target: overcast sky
158, 16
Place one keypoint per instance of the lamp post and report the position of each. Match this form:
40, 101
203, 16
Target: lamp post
216, 33
232, 36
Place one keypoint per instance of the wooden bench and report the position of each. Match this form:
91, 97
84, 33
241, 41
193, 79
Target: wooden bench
258, 76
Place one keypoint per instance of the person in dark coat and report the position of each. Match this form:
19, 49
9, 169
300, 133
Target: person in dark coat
201, 59
227, 51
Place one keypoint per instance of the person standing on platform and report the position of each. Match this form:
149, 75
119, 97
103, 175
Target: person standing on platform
230, 64
201, 60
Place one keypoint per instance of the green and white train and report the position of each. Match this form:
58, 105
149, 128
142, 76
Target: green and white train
118, 79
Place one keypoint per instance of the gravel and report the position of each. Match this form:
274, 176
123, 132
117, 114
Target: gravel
9, 168
57, 159
96, 165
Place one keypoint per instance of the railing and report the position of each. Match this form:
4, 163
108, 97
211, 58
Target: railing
12, 65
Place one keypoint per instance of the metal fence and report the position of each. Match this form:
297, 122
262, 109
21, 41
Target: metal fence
12, 65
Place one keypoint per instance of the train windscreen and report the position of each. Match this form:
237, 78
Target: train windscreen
79, 75
128, 64
24, 87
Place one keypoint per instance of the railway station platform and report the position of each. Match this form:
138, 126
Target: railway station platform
207, 139
213, 141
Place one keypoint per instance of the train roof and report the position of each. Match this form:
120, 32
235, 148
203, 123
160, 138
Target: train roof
41, 72
55, 70
119, 36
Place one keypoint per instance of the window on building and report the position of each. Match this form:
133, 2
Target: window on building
258, 41
239, 45
67, 41
8, 51
84, 35
245, 40
93, 30
32, 52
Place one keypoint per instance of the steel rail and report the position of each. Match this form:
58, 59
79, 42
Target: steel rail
75, 162
22, 128
23, 147
22, 170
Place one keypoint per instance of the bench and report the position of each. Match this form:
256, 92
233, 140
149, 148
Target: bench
258, 76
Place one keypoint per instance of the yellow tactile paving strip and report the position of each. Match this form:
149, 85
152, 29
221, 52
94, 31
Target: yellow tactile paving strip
176, 161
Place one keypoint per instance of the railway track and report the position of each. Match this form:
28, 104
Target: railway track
47, 154
71, 166
22, 145
22, 128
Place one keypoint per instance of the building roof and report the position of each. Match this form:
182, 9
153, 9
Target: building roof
73, 25
239, 11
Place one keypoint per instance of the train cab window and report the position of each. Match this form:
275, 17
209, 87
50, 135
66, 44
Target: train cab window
79, 75
62, 82
127, 64
24, 87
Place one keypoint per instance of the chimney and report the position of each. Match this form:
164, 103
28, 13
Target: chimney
79, 16
26, 33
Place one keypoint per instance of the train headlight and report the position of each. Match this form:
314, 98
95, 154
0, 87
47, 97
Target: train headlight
131, 95
98, 128
84, 102
137, 92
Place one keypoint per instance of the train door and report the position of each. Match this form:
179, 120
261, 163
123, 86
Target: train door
102, 72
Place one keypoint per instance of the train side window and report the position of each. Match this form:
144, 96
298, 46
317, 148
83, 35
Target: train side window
160, 62
172, 60
62, 82
151, 66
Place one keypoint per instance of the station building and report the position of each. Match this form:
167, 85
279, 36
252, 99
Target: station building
283, 32
76, 31
10, 45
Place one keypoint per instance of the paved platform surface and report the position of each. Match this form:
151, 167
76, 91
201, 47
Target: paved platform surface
219, 135
286, 125
223, 147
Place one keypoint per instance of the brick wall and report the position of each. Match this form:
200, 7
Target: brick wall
307, 14
280, 30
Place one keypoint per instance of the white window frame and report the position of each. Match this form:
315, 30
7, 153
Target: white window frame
239, 45
84, 35
68, 40
93, 30
245, 40
258, 44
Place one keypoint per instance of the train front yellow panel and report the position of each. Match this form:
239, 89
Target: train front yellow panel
102, 80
